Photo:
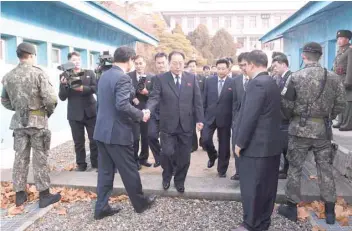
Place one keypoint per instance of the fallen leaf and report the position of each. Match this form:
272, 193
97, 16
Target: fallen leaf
9, 194
318, 228
93, 195
313, 177
13, 211
338, 210
4, 202
349, 210
344, 221
302, 213
341, 201
32, 189
70, 167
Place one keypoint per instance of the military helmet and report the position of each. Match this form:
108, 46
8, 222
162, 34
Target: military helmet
313, 47
26, 47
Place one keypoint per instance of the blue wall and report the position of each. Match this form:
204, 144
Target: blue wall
320, 28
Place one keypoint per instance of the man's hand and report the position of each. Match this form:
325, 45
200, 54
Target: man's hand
144, 91
146, 115
80, 88
63, 80
135, 101
200, 126
237, 150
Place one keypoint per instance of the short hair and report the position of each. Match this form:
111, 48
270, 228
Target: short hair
176, 53
73, 53
226, 61
206, 67
258, 58
312, 56
191, 61
123, 54
160, 55
230, 59
242, 56
277, 53
139, 57
281, 59
213, 66
22, 55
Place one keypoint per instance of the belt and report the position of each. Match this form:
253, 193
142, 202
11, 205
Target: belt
37, 112
314, 119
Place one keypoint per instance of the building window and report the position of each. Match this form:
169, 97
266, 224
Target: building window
265, 22
240, 42
190, 23
2, 49
55, 55
178, 21
253, 42
228, 22
240, 22
203, 20
252, 21
215, 23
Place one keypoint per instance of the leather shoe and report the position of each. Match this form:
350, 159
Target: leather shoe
150, 201
222, 175
344, 129
157, 164
211, 163
282, 175
107, 212
180, 188
235, 177
81, 168
145, 163
338, 125
166, 185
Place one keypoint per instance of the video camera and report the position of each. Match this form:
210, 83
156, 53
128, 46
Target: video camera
73, 79
104, 64
141, 83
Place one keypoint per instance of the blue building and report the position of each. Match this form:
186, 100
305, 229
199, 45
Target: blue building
57, 28
315, 21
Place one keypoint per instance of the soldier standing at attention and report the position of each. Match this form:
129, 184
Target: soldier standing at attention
28, 92
343, 67
318, 98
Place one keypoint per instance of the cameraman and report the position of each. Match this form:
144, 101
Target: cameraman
140, 130
81, 111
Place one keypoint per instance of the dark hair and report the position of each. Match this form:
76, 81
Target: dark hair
191, 61
22, 55
277, 53
176, 53
206, 67
73, 53
230, 59
160, 55
123, 54
312, 56
226, 61
281, 59
242, 56
258, 58
139, 57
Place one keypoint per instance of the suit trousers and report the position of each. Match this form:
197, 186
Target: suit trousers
176, 147
153, 135
141, 135
112, 156
258, 184
77, 129
224, 137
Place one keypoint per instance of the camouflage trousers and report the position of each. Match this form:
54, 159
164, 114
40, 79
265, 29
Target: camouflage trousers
298, 148
39, 141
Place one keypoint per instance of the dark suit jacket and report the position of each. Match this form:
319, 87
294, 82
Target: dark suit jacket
217, 108
258, 128
238, 92
80, 103
201, 82
177, 107
142, 98
116, 115
156, 113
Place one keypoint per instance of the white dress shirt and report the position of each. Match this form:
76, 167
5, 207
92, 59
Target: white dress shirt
175, 80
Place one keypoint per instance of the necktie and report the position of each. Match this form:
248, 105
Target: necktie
245, 84
282, 82
178, 82
221, 81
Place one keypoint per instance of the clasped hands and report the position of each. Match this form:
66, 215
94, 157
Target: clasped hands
146, 115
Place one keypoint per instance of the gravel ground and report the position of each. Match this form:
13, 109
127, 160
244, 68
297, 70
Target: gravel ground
167, 214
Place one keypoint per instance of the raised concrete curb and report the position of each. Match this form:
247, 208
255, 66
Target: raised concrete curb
35, 217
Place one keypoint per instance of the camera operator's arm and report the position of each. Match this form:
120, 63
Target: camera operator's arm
92, 88
64, 88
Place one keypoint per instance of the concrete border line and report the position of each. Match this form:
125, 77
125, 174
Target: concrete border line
34, 218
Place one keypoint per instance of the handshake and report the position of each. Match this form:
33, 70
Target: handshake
146, 115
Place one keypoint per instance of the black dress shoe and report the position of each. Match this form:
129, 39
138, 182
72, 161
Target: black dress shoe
235, 177
157, 164
344, 129
180, 188
166, 185
222, 175
94, 165
145, 163
150, 201
107, 212
338, 125
139, 167
81, 168
211, 163
282, 175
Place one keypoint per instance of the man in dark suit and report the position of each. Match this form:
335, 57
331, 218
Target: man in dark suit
181, 110
256, 143
240, 82
81, 111
280, 66
114, 136
217, 102
140, 130
153, 123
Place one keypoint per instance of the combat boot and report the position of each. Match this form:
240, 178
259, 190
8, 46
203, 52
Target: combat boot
21, 197
330, 213
46, 198
289, 211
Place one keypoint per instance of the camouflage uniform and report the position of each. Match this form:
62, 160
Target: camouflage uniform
27, 89
307, 84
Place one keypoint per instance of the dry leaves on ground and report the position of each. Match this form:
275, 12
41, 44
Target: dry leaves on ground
317, 228
70, 167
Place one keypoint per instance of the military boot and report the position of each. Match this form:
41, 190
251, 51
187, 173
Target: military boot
46, 198
289, 211
21, 197
330, 213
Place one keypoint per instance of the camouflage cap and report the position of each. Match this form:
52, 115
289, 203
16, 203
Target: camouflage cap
26, 47
313, 47
344, 33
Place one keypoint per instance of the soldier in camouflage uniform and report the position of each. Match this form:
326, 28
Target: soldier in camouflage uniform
28, 92
318, 97
343, 67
